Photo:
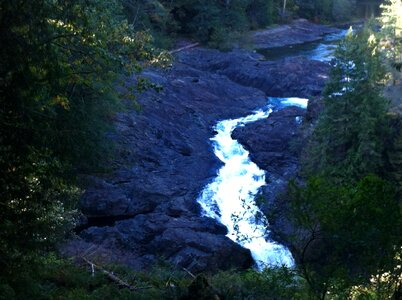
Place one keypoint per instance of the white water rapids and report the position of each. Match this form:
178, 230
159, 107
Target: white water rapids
230, 197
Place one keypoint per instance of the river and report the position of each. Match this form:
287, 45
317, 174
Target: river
321, 50
230, 197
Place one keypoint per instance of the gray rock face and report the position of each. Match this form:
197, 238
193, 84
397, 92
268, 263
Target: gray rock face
165, 158
296, 76
191, 242
298, 32
270, 141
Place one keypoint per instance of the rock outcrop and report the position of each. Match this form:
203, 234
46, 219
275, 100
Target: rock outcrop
296, 76
146, 208
298, 32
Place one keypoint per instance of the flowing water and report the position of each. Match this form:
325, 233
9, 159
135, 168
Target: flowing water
230, 198
321, 50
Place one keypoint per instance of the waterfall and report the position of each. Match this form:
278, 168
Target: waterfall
230, 197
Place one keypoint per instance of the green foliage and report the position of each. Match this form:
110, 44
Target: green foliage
216, 23
276, 283
60, 62
262, 13
352, 231
349, 138
348, 216
391, 33
55, 278
326, 10
394, 154
213, 21
152, 16
342, 10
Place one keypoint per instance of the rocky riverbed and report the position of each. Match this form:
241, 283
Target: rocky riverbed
146, 208
297, 32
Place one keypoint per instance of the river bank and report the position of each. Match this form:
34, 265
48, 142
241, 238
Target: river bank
299, 31
146, 209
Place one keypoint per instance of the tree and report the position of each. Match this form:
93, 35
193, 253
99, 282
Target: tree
261, 13
342, 10
60, 62
351, 231
327, 10
215, 23
349, 135
391, 30
349, 217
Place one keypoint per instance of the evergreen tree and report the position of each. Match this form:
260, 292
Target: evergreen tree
215, 23
349, 135
395, 162
326, 10
391, 30
342, 10
350, 217
351, 232
261, 13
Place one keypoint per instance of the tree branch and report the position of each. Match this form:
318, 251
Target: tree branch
113, 277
